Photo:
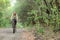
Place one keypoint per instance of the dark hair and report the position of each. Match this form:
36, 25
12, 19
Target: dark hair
14, 14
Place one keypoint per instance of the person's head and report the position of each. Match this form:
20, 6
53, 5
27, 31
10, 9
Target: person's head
14, 14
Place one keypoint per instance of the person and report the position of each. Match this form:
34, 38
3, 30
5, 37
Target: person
14, 19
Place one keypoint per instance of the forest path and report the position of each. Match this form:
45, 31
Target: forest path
21, 34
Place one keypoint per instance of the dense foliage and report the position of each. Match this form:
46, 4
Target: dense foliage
45, 12
4, 4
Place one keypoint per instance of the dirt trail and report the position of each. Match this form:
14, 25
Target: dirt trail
21, 34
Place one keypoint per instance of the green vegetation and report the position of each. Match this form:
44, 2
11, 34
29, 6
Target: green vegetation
31, 13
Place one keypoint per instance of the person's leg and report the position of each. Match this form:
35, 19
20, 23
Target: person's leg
13, 26
14, 29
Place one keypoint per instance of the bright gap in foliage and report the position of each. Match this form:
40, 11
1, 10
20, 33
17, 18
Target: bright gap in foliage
13, 2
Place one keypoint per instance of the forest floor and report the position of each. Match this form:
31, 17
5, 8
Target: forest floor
24, 34
21, 34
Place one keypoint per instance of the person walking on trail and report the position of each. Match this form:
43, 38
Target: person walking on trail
14, 19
